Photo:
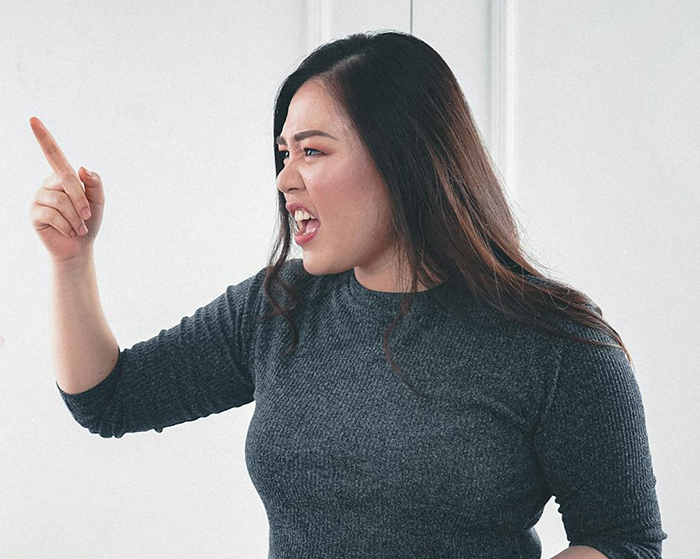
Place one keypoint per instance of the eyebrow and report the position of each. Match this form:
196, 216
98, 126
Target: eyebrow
299, 136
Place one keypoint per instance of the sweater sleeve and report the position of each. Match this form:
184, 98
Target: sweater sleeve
593, 447
198, 367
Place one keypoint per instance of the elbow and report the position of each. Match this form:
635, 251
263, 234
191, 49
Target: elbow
620, 548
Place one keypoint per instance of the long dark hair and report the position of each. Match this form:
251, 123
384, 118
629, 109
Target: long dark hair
450, 216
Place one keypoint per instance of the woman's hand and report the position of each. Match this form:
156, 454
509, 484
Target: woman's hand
56, 211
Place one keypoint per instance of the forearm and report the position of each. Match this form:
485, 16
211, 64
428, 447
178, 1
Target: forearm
580, 552
85, 350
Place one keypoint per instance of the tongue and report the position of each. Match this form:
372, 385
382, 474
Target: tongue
312, 226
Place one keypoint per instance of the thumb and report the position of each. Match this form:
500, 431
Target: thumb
93, 186
89, 178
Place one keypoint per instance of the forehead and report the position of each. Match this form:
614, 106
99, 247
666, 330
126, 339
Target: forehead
311, 107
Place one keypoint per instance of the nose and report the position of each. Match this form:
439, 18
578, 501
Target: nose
288, 179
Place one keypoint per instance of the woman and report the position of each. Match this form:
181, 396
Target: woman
511, 388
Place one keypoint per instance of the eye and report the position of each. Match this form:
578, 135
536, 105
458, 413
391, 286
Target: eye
305, 149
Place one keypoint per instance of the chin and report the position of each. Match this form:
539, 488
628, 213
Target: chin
316, 267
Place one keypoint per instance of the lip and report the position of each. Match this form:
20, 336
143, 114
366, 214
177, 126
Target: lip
294, 206
303, 238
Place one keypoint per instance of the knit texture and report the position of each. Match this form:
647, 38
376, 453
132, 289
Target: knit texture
348, 462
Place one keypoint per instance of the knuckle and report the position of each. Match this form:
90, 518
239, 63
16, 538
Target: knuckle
60, 198
50, 181
70, 180
44, 214
66, 204
63, 196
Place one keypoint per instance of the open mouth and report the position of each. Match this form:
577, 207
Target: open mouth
311, 224
304, 224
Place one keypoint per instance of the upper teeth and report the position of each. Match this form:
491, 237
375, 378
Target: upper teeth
301, 215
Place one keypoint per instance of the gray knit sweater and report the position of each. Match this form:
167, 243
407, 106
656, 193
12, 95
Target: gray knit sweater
349, 463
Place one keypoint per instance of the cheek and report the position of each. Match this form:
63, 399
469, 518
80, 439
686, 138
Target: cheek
365, 221
347, 200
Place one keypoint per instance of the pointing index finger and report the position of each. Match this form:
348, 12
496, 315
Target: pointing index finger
53, 153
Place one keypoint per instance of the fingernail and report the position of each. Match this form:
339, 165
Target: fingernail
88, 173
86, 213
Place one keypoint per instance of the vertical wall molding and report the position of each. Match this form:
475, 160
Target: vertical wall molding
502, 103
318, 23
502, 63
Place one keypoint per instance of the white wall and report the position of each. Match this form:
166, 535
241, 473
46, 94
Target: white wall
172, 104
589, 108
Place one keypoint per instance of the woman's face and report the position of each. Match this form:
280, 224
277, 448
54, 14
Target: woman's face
338, 183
